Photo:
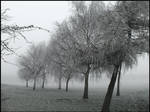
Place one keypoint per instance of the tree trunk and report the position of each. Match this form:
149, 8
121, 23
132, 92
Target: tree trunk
118, 83
67, 82
107, 100
34, 85
43, 81
59, 85
85, 94
27, 83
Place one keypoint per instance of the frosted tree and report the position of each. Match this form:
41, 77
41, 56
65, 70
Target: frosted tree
87, 38
54, 61
25, 67
77, 42
127, 30
42, 48
24, 74
60, 51
34, 62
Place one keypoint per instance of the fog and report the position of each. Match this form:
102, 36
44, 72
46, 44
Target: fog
45, 14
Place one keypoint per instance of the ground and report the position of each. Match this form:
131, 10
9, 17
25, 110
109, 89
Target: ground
17, 98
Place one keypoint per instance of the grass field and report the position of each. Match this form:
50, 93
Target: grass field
17, 98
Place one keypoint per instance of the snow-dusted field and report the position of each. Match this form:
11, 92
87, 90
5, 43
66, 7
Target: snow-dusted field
15, 98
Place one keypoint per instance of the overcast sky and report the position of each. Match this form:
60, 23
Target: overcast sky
45, 14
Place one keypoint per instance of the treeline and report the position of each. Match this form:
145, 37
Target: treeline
93, 40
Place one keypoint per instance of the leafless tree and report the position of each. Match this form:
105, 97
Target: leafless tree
87, 38
34, 62
24, 74
12, 32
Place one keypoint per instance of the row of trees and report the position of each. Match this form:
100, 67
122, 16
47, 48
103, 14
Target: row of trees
95, 39
38, 63
33, 65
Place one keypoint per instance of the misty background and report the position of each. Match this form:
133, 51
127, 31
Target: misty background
45, 14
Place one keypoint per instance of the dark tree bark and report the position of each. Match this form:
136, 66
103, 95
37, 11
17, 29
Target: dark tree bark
27, 83
85, 94
43, 81
67, 82
118, 83
59, 85
34, 85
107, 100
